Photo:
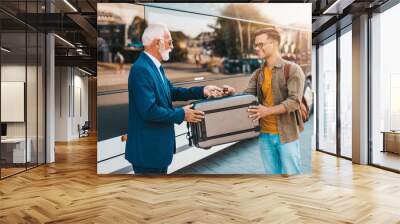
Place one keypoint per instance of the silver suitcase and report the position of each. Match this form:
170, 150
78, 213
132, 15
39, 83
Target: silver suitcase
226, 120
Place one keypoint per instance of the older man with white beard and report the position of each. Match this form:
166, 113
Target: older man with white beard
151, 143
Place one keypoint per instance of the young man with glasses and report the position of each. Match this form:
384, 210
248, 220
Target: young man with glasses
278, 84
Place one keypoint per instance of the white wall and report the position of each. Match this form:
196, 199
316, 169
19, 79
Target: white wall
61, 103
81, 83
14, 73
12, 100
33, 126
69, 82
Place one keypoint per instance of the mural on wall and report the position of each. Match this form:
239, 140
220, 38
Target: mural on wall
214, 46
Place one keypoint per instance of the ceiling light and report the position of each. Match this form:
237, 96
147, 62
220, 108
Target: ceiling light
70, 5
337, 7
86, 72
64, 40
5, 50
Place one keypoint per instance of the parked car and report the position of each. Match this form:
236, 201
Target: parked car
246, 65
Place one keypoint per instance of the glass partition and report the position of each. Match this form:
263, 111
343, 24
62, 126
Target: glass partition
385, 89
327, 96
14, 153
22, 89
346, 93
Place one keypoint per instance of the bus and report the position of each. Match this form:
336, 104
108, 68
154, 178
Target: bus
209, 48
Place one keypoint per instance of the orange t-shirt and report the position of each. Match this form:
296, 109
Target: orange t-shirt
269, 124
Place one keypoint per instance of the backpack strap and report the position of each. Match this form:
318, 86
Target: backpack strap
258, 72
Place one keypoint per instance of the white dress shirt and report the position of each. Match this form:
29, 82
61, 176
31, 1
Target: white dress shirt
157, 63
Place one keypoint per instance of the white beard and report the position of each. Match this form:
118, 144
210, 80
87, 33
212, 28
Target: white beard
164, 53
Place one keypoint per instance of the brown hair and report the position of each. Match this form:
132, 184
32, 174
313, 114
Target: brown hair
270, 32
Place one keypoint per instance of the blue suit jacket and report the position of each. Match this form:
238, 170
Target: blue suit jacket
151, 134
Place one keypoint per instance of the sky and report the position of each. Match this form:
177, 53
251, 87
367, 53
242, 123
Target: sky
192, 25
300, 13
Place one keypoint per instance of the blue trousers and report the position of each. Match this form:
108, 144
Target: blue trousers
149, 171
279, 158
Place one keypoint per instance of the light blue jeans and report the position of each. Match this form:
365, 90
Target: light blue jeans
279, 158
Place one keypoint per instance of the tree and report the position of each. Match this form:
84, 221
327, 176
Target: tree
232, 36
136, 29
180, 52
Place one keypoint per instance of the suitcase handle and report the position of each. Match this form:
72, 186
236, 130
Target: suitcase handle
188, 135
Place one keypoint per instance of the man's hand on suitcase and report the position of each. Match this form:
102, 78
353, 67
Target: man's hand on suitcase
193, 116
228, 90
212, 91
259, 112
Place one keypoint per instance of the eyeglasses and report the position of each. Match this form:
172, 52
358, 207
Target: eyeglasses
260, 45
170, 42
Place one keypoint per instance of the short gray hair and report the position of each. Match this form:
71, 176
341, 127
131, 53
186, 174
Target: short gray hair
152, 32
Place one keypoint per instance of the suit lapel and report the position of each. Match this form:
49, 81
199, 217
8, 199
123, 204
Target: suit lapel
157, 77
165, 84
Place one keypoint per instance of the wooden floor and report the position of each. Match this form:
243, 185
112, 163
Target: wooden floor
70, 191
387, 159
10, 171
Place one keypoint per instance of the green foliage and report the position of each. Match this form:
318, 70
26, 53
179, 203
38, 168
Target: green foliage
233, 38
179, 53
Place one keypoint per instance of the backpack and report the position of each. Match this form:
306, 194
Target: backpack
306, 100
